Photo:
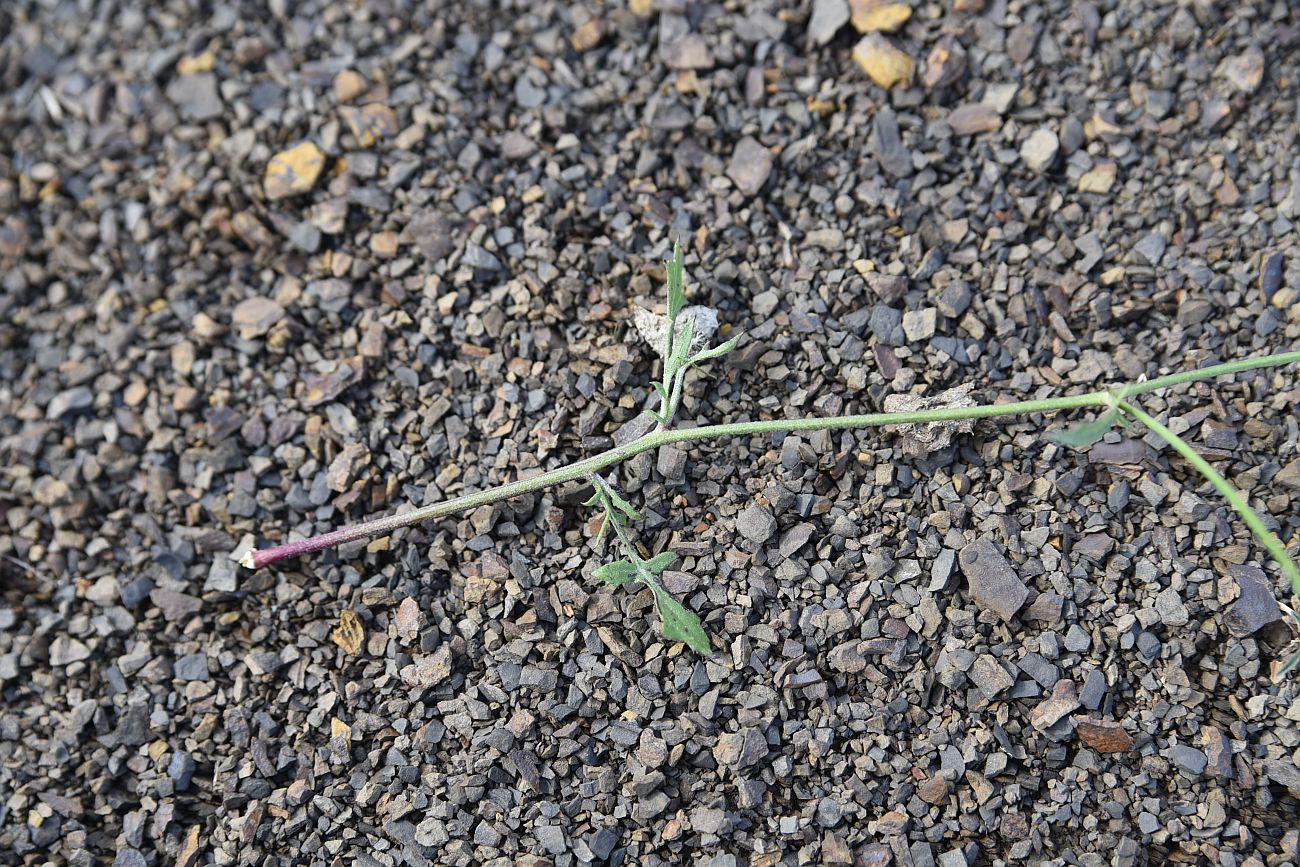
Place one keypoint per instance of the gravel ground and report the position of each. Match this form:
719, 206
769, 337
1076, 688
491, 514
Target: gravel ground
270, 269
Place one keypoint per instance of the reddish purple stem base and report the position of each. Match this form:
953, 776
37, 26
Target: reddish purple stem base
257, 559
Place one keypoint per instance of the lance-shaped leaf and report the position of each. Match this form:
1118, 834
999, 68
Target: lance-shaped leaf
707, 354
676, 295
622, 505
681, 349
616, 573
659, 562
1086, 434
680, 624
604, 525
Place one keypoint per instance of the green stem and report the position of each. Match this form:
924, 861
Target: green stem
658, 438
1235, 498
624, 540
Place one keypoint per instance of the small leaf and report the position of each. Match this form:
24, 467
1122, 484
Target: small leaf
604, 525
716, 351
660, 390
660, 562
616, 573
1082, 436
676, 295
592, 500
680, 624
681, 347
623, 505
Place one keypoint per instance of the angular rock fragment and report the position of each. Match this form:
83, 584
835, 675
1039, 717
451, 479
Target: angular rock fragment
828, 16
750, 165
887, 65
293, 171
1063, 700
1255, 607
992, 579
1102, 735
878, 16
973, 119
254, 316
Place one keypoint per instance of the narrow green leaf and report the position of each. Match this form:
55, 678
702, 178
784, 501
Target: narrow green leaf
623, 505
681, 347
660, 390
592, 500
715, 352
676, 295
660, 562
604, 525
1084, 435
679, 623
616, 573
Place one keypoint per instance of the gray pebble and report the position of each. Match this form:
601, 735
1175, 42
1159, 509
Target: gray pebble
750, 166
196, 96
829, 812
756, 523
887, 325
181, 769
193, 667
1077, 639
828, 16
129, 858
1170, 607
71, 400
993, 582
1189, 759
1255, 607
553, 839
1040, 149
990, 677
1151, 248
1094, 690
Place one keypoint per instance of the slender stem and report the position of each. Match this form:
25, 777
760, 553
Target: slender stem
679, 381
1234, 497
624, 540
1215, 370
382, 526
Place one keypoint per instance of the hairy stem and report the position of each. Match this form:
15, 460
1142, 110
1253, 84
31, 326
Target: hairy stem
658, 438
1235, 498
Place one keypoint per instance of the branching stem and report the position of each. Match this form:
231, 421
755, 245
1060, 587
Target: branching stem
1234, 497
659, 438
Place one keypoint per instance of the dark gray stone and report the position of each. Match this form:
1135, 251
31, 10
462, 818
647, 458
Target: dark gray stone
196, 96
992, 579
1255, 607
756, 523
181, 769
193, 667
